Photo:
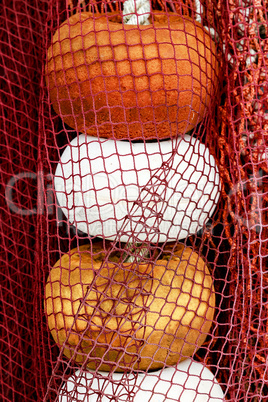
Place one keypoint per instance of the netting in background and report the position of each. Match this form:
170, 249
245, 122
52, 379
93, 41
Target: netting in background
36, 233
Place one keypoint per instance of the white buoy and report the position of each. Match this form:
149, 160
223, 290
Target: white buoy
137, 191
188, 381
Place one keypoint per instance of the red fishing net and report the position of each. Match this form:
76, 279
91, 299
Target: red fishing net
134, 202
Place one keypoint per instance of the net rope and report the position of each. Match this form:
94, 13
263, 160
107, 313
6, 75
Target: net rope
38, 364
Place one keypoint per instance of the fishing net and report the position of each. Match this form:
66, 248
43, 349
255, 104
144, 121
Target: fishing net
134, 202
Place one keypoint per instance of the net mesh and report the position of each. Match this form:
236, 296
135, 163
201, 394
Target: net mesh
49, 323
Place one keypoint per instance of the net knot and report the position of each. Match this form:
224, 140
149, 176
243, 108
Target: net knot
136, 12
